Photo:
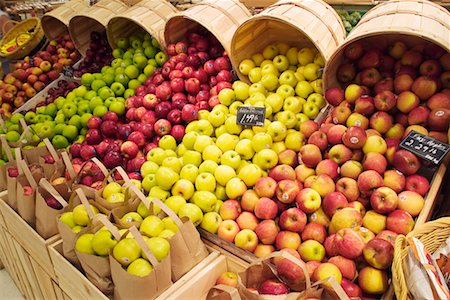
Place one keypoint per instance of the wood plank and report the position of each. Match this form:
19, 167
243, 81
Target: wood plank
45, 281
17, 268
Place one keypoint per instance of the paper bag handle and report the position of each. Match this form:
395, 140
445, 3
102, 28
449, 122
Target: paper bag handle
26, 129
51, 149
47, 186
342, 295
7, 148
159, 203
68, 164
2, 124
108, 177
85, 203
110, 226
144, 246
233, 292
18, 154
102, 168
26, 171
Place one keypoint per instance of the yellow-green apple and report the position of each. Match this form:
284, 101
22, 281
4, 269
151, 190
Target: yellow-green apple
280, 146
230, 209
287, 239
340, 153
381, 121
246, 66
293, 141
235, 188
379, 253
308, 127
345, 265
273, 287
247, 220
267, 231
418, 116
226, 142
323, 184
151, 226
308, 200
417, 183
340, 114
231, 158
349, 243
364, 105
400, 221
349, 188
368, 181
374, 161
357, 119
189, 172
207, 166
388, 235
246, 239
211, 221
282, 172
395, 180
266, 209
406, 162
224, 174
354, 137
212, 152
175, 202
131, 217
335, 134
288, 157
275, 101
266, 187
292, 219
396, 131
205, 200
373, 281
228, 278
263, 250
411, 202
345, 218
332, 202
265, 159
325, 270
353, 92
384, 200
374, 221
303, 172
328, 167
192, 157
227, 230
375, 143
311, 250
314, 231
248, 200
244, 149
205, 182
351, 169
439, 100
334, 95
439, 119
111, 188
287, 191
424, 87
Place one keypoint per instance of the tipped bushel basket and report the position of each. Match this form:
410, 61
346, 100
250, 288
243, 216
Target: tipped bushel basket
219, 17
56, 22
415, 22
94, 18
147, 15
309, 23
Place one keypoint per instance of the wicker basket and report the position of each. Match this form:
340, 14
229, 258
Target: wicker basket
30, 26
414, 22
147, 15
220, 17
432, 234
94, 18
310, 23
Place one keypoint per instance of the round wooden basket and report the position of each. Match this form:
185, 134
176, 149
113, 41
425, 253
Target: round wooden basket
94, 18
219, 17
56, 22
414, 22
310, 23
30, 26
147, 15
432, 234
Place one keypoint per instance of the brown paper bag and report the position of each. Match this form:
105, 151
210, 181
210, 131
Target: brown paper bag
128, 286
11, 182
118, 212
186, 247
125, 182
87, 170
223, 292
62, 178
45, 215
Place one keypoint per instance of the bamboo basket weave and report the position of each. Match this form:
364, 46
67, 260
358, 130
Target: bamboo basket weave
308, 23
414, 22
219, 17
147, 15
432, 234
56, 22
94, 18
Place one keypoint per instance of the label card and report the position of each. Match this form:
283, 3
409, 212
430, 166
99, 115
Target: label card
425, 147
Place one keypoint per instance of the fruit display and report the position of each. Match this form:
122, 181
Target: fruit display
12, 44
349, 18
32, 74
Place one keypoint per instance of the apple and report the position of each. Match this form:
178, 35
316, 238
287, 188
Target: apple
345, 218
293, 219
439, 119
265, 187
384, 200
364, 105
411, 202
340, 153
267, 231
379, 253
381, 122
349, 243
247, 220
325, 270
439, 100
406, 162
228, 230
308, 200
418, 184
328, 167
334, 95
335, 134
287, 190
395, 180
351, 289
332, 202
354, 137
349, 188
287, 239
351, 169
228, 278
273, 287
312, 250
230, 209
248, 200
310, 155
266, 209
373, 281
314, 231
282, 172
400, 221
246, 239
345, 265
375, 143
353, 92
424, 87
388, 235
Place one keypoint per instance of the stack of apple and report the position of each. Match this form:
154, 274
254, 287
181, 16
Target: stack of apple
98, 55
77, 219
394, 90
286, 80
33, 73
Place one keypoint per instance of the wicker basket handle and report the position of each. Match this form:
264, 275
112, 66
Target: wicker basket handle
6, 23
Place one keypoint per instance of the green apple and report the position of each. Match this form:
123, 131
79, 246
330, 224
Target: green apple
208, 166
246, 66
256, 87
316, 99
244, 149
102, 242
189, 172
294, 140
156, 155
288, 77
266, 159
305, 56
192, 157
170, 224
189, 139
303, 89
231, 158
166, 177
193, 212
277, 130
212, 152
226, 96
312, 71
255, 75
142, 210
116, 198
257, 58
122, 43
269, 69
159, 246
172, 163
291, 55
293, 104
232, 127
140, 267
281, 62
310, 110
205, 182
83, 244
287, 118
167, 142
226, 142
160, 58
131, 217
60, 142
223, 174
235, 188
235, 105
261, 140
151, 226
211, 221
100, 110
126, 251
241, 90
216, 118
202, 142
249, 174
176, 202
166, 233
77, 228
285, 91
68, 219
111, 188
205, 200
105, 93
69, 109
97, 84
70, 132
270, 51
149, 167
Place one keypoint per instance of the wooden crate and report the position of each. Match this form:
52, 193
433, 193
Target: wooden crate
29, 239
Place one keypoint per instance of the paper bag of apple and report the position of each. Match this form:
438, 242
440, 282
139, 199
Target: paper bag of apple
26, 191
49, 203
90, 174
62, 178
44, 154
187, 248
223, 292
74, 223
13, 171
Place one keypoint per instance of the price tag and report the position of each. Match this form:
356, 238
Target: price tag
425, 147
67, 71
251, 115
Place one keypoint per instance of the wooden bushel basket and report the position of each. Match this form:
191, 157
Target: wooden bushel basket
219, 17
147, 15
94, 18
310, 23
56, 22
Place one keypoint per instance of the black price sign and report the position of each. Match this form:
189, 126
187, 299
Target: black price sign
251, 115
425, 147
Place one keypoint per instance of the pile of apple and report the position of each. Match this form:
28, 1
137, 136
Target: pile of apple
34, 73
394, 90
98, 55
